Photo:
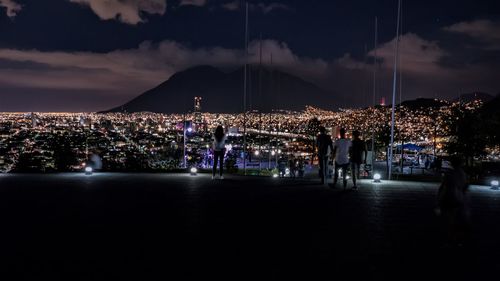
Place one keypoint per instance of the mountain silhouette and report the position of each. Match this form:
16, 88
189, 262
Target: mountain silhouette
475, 96
423, 103
222, 92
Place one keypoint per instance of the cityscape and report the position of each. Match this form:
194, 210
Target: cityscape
52, 142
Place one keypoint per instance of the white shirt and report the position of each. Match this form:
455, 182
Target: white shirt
219, 145
342, 151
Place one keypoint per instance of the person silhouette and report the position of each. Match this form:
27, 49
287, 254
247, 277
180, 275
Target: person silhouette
357, 150
219, 150
323, 142
452, 203
341, 156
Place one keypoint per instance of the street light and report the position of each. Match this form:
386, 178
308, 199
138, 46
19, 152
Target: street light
88, 170
494, 184
193, 171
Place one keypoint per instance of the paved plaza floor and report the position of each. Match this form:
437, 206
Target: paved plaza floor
182, 227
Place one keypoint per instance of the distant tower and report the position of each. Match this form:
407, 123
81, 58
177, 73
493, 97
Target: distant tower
34, 121
197, 111
197, 104
382, 101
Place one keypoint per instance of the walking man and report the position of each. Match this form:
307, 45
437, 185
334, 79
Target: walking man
323, 142
358, 156
341, 156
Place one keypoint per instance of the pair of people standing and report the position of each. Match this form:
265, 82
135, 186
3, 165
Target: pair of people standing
340, 150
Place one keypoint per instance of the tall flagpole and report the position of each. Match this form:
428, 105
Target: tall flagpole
245, 94
394, 83
374, 88
260, 104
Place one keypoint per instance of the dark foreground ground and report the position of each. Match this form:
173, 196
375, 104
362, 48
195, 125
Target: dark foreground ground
177, 227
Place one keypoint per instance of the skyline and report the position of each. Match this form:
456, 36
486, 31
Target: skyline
78, 55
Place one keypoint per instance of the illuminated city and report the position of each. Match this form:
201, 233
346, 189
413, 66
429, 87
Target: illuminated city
154, 142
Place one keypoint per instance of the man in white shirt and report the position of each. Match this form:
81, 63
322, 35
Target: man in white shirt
341, 156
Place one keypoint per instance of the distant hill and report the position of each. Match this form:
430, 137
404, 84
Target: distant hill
492, 108
475, 96
222, 92
424, 103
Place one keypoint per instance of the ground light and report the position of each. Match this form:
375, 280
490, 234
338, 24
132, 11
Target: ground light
193, 171
494, 184
275, 175
88, 171
377, 177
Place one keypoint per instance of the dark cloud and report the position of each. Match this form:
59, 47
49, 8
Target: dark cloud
261, 6
484, 31
11, 7
198, 3
127, 73
126, 11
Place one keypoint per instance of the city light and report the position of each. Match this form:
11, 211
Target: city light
275, 175
256, 153
377, 177
273, 153
190, 130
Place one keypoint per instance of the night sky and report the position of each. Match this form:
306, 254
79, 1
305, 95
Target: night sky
90, 55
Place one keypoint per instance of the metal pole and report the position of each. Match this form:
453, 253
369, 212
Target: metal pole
394, 91
374, 89
245, 94
401, 96
184, 138
260, 105
270, 114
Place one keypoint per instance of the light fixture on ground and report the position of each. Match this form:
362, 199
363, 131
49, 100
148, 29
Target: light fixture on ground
377, 177
494, 184
193, 171
275, 175
88, 170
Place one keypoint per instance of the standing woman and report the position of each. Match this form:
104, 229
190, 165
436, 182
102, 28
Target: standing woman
219, 150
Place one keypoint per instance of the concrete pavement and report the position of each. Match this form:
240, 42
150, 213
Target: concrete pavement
180, 227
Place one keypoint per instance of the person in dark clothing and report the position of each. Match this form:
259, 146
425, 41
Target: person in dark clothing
300, 167
219, 150
341, 150
358, 156
452, 203
292, 165
282, 167
323, 142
